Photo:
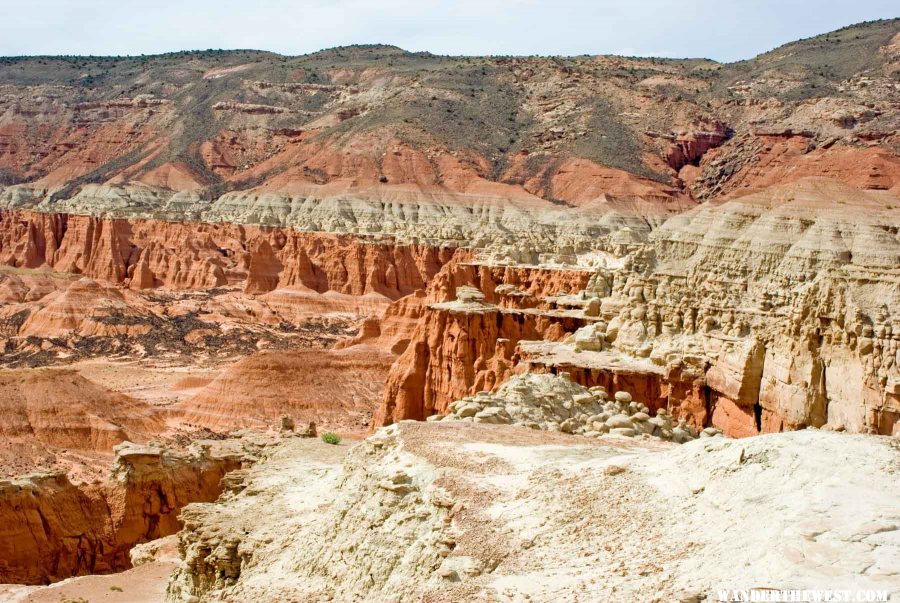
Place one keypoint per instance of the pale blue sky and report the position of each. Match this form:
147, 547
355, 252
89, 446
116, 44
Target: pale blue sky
724, 30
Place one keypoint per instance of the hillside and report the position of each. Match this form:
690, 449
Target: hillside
371, 119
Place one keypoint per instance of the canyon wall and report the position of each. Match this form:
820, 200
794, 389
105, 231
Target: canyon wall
459, 345
769, 312
52, 528
150, 253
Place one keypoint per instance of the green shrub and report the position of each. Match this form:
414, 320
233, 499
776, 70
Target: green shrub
331, 438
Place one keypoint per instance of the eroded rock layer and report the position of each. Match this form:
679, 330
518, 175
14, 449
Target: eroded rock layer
771, 311
53, 528
62, 409
148, 253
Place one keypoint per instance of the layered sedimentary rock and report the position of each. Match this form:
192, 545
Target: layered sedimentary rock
58, 408
802, 298
54, 528
718, 240
336, 389
326, 141
148, 253
768, 312
753, 312
468, 344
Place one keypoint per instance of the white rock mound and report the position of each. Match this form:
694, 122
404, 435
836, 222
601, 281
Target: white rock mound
555, 403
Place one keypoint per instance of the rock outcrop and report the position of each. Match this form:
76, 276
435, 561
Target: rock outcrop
461, 347
54, 528
144, 254
556, 403
405, 517
746, 315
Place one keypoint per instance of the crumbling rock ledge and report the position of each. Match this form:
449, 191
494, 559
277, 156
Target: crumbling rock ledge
52, 528
404, 518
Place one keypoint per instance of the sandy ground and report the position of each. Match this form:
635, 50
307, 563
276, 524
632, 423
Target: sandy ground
143, 584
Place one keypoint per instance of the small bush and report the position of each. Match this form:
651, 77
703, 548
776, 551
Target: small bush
331, 438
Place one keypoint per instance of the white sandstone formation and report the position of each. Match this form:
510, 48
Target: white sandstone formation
460, 511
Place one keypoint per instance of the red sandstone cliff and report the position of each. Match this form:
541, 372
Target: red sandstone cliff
51, 529
149, 253
457, 351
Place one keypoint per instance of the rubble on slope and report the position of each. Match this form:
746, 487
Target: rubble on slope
556, 403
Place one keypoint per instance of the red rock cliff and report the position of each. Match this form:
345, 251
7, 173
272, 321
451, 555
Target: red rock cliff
456, 350
150, 253
51, 529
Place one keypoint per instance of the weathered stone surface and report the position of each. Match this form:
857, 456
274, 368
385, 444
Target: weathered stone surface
404, 516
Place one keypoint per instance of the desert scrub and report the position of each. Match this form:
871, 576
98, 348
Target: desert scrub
331, 438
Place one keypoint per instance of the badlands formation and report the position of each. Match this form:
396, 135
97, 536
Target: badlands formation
592, 328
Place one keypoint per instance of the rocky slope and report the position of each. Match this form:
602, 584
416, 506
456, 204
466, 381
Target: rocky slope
375, 139
569, 518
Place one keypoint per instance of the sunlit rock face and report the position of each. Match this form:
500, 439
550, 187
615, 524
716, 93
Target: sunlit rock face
767, 312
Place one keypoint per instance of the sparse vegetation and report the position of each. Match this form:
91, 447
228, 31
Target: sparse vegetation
331, 438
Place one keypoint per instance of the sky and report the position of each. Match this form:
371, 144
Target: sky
724, 30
